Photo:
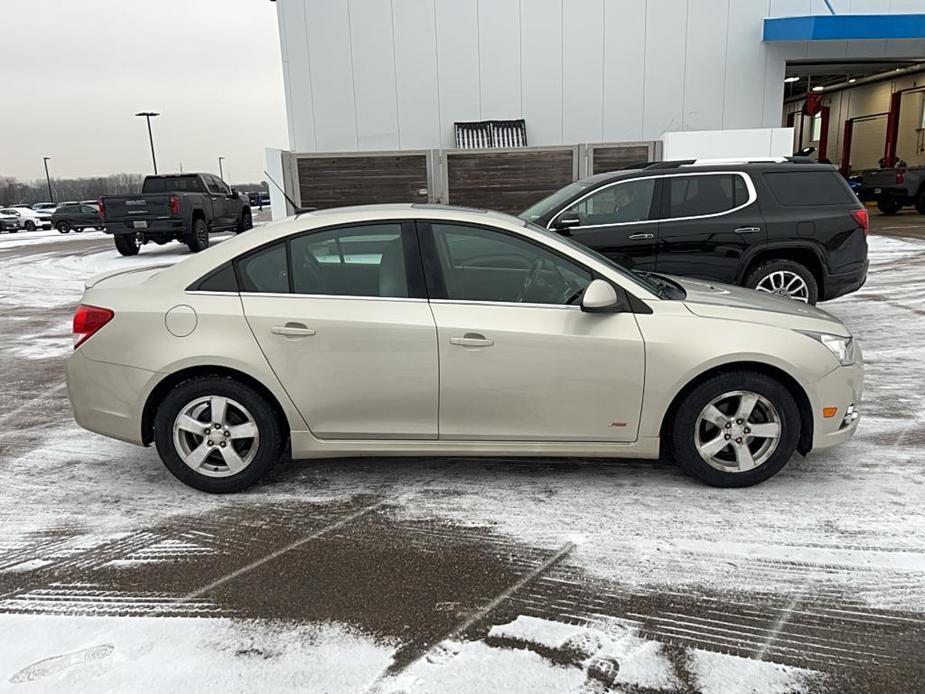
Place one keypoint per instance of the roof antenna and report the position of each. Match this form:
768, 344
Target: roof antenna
828, 3
297, 208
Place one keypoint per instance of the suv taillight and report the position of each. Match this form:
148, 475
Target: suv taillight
900, 176
87, 320
174, 204
862, 218
99, 203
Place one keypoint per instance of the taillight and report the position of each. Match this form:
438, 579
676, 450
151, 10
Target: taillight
174, 204
99, 204
862, 218
900, 176
87, 320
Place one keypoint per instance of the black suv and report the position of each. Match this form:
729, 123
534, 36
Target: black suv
785, 226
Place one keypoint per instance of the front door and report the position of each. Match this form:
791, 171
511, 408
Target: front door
218, 191
348, 332
710, 221
519, 360
618, 220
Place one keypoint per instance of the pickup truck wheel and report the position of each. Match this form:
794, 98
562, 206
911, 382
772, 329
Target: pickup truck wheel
785, 278
889, 205
246, 222
920, 202
63, 227
127, 244
199, 236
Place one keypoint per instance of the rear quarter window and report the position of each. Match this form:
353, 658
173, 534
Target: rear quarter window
799, 188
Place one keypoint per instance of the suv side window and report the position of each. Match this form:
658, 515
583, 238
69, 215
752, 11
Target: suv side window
794, 188
620, 203
482, 264
351, 261
707, 194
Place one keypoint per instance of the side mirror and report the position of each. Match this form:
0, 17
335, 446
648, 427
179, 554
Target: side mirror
600, 297
566, 222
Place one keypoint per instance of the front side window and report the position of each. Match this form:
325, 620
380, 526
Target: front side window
351, 261
622, 203
481, 264
695, 196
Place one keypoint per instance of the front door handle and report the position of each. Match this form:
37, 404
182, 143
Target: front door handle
748, 230
472, 340
292, 330
640, 237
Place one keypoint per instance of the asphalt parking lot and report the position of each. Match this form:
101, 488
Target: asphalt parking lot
461, 575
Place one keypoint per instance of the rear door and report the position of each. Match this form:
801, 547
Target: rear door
710, 222
342, 318
619, 220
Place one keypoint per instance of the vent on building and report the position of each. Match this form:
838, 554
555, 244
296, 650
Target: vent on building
491, 134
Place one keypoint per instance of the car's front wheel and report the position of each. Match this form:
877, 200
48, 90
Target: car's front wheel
735, 429
216, 434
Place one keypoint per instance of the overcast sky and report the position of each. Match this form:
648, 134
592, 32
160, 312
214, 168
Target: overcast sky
73, 73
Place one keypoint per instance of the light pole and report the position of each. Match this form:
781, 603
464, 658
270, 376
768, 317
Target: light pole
51, 195
148, 115
221, 173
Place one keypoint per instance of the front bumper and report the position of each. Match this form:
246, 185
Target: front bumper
108, 399
841, 389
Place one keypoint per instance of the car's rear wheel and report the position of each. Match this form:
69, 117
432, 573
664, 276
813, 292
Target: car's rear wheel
29, 225
127, 244
889, 205
63, 227
735, 429
785, 278
199, 236
216, 434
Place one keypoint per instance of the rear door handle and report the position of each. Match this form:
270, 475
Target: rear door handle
748, 230
472, 340
292, 330
639, 237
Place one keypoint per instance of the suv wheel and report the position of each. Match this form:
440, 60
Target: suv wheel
216, 434
63, 227
127, 244
889, 205
785, 278
735, 429
29, 225
199, 236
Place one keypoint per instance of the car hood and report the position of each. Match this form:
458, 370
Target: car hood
714, 300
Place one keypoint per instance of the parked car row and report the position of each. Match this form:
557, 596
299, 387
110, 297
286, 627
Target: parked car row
66, 216
26, 218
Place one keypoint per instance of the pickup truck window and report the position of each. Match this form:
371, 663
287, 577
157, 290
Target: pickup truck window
215, 186
172, 184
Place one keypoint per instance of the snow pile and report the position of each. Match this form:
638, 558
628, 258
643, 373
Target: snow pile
718, 673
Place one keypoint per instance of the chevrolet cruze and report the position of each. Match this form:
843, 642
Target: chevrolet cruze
400, 330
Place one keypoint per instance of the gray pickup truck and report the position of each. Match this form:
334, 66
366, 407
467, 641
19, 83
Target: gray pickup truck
893, 188
175, 207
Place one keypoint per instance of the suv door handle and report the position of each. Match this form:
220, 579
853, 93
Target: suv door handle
292, 330
639, 237
472, 340
748, 230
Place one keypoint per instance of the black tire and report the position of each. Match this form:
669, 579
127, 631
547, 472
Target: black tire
269, 447
762, 271
198, 236
29, 225
246, 222
127, 244
920, 202
63, 227
682, 430
889, 205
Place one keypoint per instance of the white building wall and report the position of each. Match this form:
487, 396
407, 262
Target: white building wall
396, 74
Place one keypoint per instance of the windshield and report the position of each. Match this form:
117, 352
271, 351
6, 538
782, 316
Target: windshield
551, 202
639, 278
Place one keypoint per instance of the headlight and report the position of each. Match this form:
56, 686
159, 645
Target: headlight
841, 347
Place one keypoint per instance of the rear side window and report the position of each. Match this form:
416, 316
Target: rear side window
694, 196
222, 280
173, 184
265, 271
794, 188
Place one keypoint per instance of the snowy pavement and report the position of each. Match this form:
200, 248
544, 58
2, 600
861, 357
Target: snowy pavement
461, 575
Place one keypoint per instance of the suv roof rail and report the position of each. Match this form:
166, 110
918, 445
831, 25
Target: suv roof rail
740, 160
669, 164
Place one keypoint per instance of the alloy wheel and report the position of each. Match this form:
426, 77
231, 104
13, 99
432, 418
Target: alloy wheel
216, 436
737, 431
785, 283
